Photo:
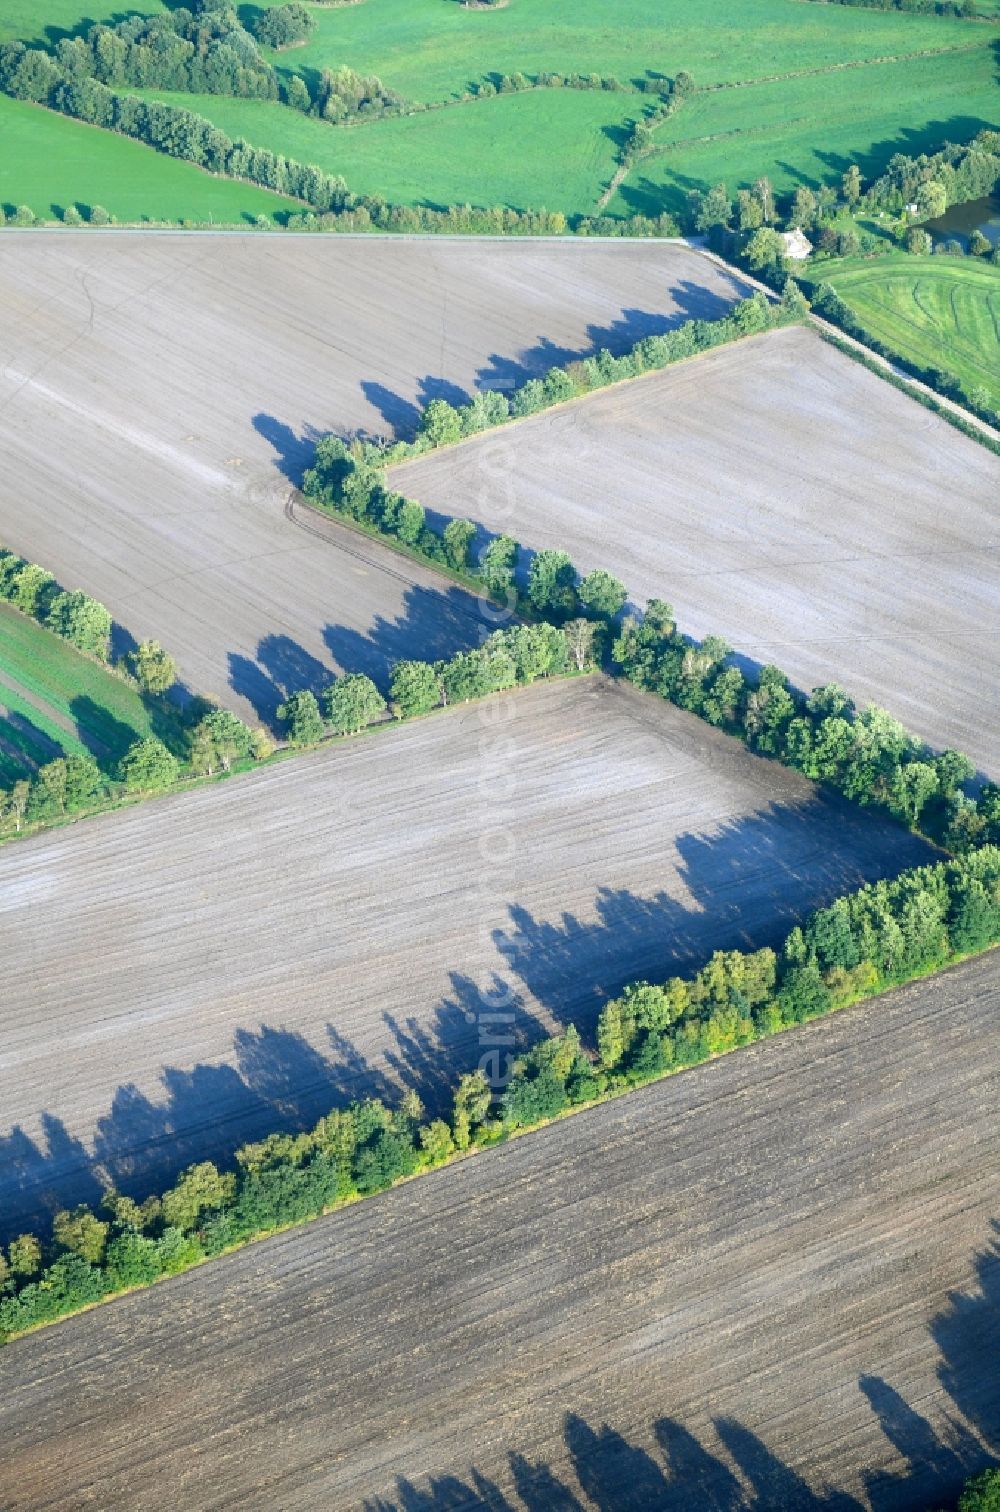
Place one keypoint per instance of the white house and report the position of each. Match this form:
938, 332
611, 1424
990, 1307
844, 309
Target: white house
797, 244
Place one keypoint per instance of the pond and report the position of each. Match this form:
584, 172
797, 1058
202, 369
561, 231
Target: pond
959, 221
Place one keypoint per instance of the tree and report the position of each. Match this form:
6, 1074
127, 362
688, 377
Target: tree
282, 25
51, 782
17, 803
202, 1187
297, 95
919, 241
580, 642
714, 209
749, 212
804, 208
552, 585
148, 766
763, 193
436, 1142
932, 199
24, 1255
850, 185
441, 423
601, 595
765, 250
353, 702
81, 620
473, 1098
153, 669
224, 736
458, 538
83, 780
415, 689
794, 304
497, 567
301, 718
81, 1233
982, 1493
32, 589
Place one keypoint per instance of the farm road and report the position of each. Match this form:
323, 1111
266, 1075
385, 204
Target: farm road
158, 395
769, 1283
188, 974
780, 495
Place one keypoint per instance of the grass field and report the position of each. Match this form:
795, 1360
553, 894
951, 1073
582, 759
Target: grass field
54, 697
771, 1282
555, 148
809, 129
938, 312
202, 997
551, 148
49, 162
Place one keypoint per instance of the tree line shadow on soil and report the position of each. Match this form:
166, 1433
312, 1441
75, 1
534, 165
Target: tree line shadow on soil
550, 971
731, 1469
502, 370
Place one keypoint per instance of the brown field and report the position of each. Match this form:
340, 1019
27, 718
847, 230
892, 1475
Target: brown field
157, 393
780, 495
184, 975
768, 1283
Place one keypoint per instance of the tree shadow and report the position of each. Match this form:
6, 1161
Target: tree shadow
664, 1465
744, 884
293, 451
433, 625
276, 1081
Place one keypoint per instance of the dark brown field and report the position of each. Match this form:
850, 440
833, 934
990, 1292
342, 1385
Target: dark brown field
192, 972
780, 495
771, 1283
159, 394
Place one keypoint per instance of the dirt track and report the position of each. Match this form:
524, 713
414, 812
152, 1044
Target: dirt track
780, 495
158, 391
756, 1280
182, 975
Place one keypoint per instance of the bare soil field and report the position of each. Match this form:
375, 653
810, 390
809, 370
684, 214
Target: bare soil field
159, 391
191, 973
769, 1283
778, 494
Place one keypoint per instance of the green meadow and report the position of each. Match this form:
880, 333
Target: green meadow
938, 312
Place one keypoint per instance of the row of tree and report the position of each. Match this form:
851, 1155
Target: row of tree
208, 52
880, 936
967, 9
865, 754
509, 658
933, 181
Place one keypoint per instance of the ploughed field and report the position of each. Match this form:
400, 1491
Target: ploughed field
779, 494
159, 392
199, 970
769, 1282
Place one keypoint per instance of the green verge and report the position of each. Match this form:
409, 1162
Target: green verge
106, 713
880, 937
50, 162
934, 312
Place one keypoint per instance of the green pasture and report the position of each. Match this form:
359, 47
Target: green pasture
807, 130
548, 148
48, 162
555, 147
59, 698
431, 49
939, 312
